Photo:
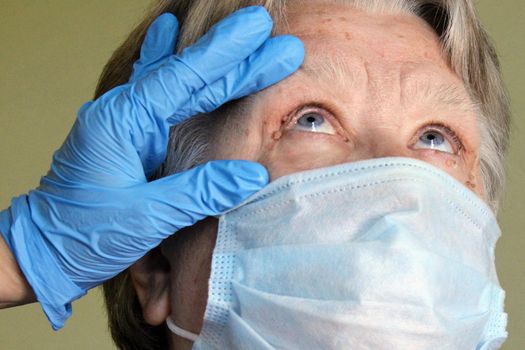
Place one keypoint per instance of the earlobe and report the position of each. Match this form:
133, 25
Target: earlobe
151, 279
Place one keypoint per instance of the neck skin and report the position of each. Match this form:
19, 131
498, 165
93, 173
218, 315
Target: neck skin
190, 257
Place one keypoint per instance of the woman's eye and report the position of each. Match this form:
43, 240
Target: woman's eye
314, 122
436, 139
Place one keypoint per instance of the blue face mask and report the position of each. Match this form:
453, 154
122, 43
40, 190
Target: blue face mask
388, 253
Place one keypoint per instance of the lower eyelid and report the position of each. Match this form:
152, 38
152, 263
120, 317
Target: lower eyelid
322, 136
337, 130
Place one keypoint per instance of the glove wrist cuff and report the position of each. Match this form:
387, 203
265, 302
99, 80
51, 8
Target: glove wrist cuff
53, 289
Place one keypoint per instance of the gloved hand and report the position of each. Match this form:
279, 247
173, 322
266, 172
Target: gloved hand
94, 213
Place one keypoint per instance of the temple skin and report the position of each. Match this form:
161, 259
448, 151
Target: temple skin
378, 82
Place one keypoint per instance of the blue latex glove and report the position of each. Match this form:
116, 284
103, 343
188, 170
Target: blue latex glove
94, 213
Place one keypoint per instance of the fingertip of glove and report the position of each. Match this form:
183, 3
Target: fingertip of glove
165, 20
256, 10
245, 174
215, 186
292, 48
252, 23
252, 171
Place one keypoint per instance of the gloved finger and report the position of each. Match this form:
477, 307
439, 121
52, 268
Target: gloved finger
158, 45
226, 45
209, 189
228, 42
118, 227
276, 59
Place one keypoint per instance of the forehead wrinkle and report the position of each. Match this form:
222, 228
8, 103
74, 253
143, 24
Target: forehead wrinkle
331, 69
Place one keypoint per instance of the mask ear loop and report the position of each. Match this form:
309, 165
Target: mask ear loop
180, 332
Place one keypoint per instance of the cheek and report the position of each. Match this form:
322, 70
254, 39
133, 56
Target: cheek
465, 170
298, 152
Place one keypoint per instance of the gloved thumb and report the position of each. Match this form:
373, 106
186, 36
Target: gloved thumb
206, 190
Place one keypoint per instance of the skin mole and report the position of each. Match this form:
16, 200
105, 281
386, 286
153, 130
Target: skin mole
451, 163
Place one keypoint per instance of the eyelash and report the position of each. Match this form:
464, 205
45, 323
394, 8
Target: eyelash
440, 126
293, 117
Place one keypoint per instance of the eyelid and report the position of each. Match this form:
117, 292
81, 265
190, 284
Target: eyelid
291, 118
447, 130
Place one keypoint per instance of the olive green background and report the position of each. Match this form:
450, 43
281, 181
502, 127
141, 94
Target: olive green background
51, 54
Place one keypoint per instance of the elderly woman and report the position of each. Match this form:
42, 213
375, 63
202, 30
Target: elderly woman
384, 151
412, 79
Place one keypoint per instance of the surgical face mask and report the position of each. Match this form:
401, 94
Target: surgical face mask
388, 253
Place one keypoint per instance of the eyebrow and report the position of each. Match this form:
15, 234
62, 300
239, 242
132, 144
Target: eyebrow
450, 95
334, 69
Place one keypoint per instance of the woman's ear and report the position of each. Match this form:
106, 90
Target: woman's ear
151, 279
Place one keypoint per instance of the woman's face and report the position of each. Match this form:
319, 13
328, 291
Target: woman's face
371, 86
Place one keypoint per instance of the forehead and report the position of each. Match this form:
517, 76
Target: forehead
356, 36
386, 55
